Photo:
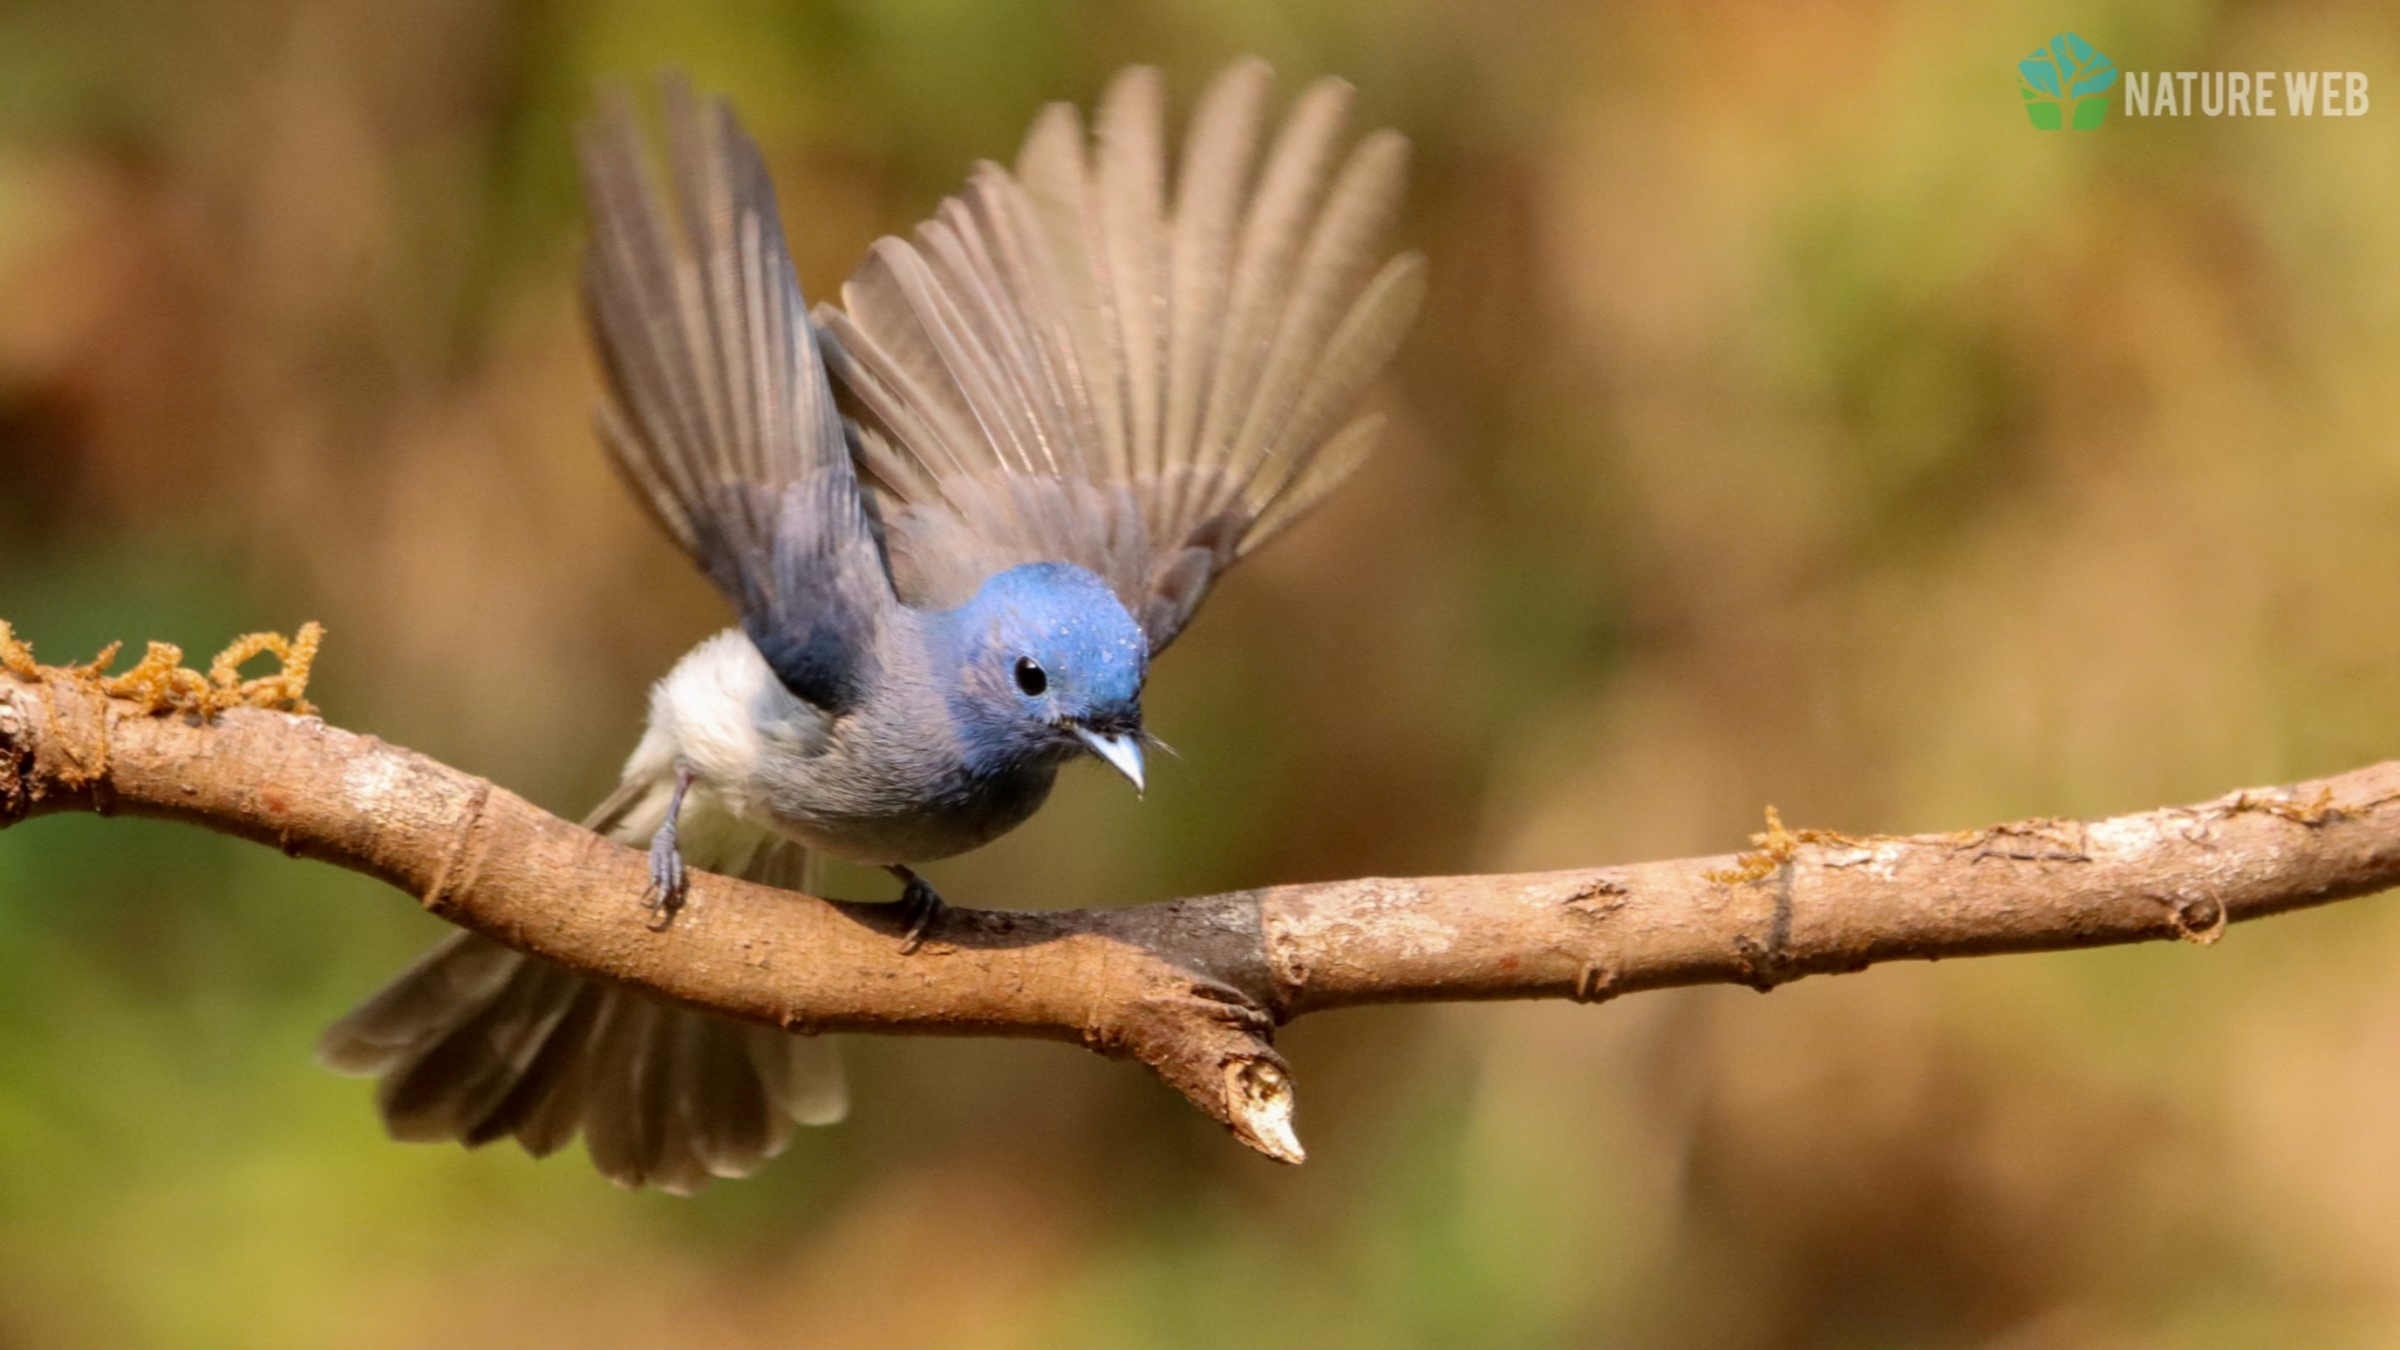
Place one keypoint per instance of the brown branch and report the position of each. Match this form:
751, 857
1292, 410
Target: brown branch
1192, 988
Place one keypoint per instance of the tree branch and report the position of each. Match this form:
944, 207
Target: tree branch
1192, 988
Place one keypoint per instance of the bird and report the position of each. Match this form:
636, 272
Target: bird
957, 513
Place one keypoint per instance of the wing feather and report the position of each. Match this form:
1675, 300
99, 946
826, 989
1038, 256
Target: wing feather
1208, 199
719, 411
1339, 255
1127, 191
1061, 366
1303, 491
1058, 195
1271, 233
1352, 357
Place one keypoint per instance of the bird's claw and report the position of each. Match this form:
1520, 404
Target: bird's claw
920, 903
669, 881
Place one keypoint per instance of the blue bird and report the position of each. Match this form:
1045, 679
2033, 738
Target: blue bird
1072, 403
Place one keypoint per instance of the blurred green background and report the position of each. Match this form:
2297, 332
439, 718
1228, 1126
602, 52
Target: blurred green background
1790, 422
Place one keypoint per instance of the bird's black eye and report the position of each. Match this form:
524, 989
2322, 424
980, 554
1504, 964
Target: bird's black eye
1030, 676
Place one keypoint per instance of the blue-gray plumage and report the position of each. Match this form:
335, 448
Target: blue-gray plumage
1074, 403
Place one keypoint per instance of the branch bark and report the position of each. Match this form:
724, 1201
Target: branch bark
1193, 988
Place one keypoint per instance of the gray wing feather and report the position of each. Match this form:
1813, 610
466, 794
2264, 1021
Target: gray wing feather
1218, 153
719, 413
1058, 366
1333, 269
1129, 187
1301, 492
1054, 220
1322, 411
1272, 228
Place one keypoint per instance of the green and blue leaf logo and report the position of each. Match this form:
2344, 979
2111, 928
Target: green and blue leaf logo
2065, 83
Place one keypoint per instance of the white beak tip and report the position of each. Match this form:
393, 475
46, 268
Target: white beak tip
1123, 753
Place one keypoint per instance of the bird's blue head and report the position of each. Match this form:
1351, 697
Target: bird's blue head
1050, 666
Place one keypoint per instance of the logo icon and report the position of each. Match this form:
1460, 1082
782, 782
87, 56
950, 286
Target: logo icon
2064, 82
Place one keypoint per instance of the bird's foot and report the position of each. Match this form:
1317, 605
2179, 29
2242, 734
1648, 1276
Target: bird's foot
670, 881
919, 902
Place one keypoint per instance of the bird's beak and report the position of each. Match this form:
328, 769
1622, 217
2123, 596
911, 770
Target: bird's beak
1122, 752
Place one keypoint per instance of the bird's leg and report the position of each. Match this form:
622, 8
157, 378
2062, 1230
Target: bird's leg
668, 880
919, 901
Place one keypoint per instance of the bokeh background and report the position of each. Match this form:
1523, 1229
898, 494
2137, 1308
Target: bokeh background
1791, 422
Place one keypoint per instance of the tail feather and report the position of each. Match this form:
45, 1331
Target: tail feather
621, 1127
477, 1042
553, 1079
552, 1110
734, 1123
447, 985
454, 1081
804, 1074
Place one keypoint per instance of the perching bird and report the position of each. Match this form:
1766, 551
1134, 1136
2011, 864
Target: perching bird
1075, 404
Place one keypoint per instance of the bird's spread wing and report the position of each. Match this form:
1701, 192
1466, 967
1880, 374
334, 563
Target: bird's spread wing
719, 412
1063, 365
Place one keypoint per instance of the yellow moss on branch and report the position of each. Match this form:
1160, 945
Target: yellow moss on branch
284, 688
160, 682
1777, 847
2312, 813
16, 657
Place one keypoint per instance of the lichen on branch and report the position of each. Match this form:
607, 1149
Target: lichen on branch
161, 683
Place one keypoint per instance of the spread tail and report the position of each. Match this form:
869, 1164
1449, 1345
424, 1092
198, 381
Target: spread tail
477, 1042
